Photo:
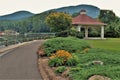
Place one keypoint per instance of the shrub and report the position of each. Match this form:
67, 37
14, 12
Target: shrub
69, 44
60, 69
84, 51
62, 57
76, 69
80, 35
72, 61
62, 34
67, 33
94, 32
110, 68
63, 54
55, 62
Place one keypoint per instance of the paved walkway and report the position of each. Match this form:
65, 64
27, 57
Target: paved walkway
20, 63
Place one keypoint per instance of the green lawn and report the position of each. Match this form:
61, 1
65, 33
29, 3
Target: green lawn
109, 44
85, 67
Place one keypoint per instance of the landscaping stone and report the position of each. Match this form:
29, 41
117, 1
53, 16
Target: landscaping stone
99, 77
40, 53
97, 62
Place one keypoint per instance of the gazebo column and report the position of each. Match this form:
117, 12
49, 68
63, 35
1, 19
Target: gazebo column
79, 28
86, 32
102, 32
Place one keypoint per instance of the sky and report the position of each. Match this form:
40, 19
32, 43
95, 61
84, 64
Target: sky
38, 6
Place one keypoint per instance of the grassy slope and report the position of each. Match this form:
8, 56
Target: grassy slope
110, 68
84, 68
109, 44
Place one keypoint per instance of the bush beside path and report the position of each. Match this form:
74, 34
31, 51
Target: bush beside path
91, 61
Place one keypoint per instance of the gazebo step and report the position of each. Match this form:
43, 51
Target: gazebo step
95, 38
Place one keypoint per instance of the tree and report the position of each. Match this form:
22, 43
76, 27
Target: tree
34, 24
59, 21
107, 16
113, 29
113, 23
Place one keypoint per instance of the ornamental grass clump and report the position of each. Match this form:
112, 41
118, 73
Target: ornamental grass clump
62, 57
60, 69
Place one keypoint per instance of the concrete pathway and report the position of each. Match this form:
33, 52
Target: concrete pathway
20, 63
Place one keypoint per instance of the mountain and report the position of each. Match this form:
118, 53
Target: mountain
91, 10
22, 23
17, 15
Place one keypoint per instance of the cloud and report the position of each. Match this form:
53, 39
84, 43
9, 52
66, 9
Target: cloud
37, 6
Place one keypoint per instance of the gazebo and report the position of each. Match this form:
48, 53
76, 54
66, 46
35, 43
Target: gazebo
85, 21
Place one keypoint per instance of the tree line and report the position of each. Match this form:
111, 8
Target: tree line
37, 24
34, 24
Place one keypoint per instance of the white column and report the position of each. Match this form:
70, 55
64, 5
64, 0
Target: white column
86, 32
102, 32
79, 28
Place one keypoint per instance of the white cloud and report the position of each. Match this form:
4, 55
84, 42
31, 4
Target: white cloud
37, 6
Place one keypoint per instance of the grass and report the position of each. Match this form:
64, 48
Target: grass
110, 68
108, 44
107, 51
69, 44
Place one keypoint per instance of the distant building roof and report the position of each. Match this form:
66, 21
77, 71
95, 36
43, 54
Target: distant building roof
84, 19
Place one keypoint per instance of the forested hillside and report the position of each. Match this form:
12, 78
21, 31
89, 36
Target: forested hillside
36, 23
31, 24
17, 15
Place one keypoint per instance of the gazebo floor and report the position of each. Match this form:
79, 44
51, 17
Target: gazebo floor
95, 38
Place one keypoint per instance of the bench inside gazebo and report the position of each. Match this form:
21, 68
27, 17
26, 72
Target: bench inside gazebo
85, 21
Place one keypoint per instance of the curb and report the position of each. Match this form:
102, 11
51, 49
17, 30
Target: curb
46, 72
42, 70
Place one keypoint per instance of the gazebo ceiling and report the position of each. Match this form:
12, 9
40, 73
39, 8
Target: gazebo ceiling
84, 19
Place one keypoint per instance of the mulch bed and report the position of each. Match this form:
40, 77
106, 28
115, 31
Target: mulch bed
47, 72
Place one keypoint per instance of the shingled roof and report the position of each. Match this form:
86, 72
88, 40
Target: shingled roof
84, 19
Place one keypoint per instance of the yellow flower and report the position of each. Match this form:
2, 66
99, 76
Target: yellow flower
62, 54
52, 56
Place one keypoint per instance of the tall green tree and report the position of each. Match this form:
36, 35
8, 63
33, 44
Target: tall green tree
107, 16
113, 23
59, 21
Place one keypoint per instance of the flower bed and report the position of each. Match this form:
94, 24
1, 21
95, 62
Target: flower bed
80, 62
56, 59
48, 73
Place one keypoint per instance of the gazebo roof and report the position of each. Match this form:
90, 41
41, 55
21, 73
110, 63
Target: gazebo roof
84, 19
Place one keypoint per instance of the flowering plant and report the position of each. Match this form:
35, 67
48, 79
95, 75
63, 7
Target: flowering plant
65, 55
62, 57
